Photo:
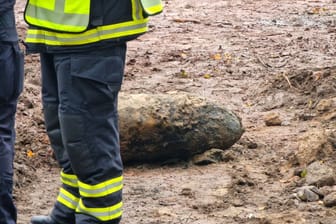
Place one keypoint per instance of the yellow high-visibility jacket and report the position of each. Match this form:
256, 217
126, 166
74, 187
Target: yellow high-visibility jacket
70, 25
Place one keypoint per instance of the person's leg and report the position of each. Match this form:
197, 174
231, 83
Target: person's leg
89, 127
7, 136
11, 83
66, 203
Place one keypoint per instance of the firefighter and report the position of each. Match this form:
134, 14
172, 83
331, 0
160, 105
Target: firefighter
82, 47
11, 83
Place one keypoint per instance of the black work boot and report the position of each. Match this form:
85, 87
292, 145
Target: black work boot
42, 219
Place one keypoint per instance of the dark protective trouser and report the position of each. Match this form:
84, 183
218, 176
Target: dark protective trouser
79, 94
11, 84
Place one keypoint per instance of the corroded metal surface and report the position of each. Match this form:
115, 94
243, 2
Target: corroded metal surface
167, 126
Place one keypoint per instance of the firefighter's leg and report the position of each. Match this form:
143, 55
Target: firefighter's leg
7, 208
89, 124
67, 200
11, 83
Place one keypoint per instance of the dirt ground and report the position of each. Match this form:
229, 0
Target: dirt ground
255, 57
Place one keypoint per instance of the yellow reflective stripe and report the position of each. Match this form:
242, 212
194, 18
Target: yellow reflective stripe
90, 36
102, 189
103, 214
55, 26
67, 199
152, 7
136, 10
69, 179
47, 4
64, 15
44, 17
77, 7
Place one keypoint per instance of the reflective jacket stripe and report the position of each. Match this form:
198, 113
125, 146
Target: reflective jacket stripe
73, 22
47, 4
77, 7
60, 15
137, 10
102, 189
90, 36
69, 179
67, 199
103, 214
152, 7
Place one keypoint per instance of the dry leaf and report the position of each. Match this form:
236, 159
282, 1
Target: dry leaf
217, 57
207, 76
30, 154
183, 73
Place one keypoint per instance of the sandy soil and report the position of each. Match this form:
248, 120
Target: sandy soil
255, 57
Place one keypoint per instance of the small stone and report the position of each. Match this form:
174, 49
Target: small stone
187, 192
327, 190
324, 105
313, 145
330, 200
238, 203
308, 193
272, 119
320, 174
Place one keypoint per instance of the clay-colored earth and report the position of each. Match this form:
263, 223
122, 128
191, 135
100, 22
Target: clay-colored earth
268, 61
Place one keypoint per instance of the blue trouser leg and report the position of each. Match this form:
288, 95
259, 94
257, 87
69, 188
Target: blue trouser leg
61, 213
7, 138
50, 109
11, 83
87, 86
